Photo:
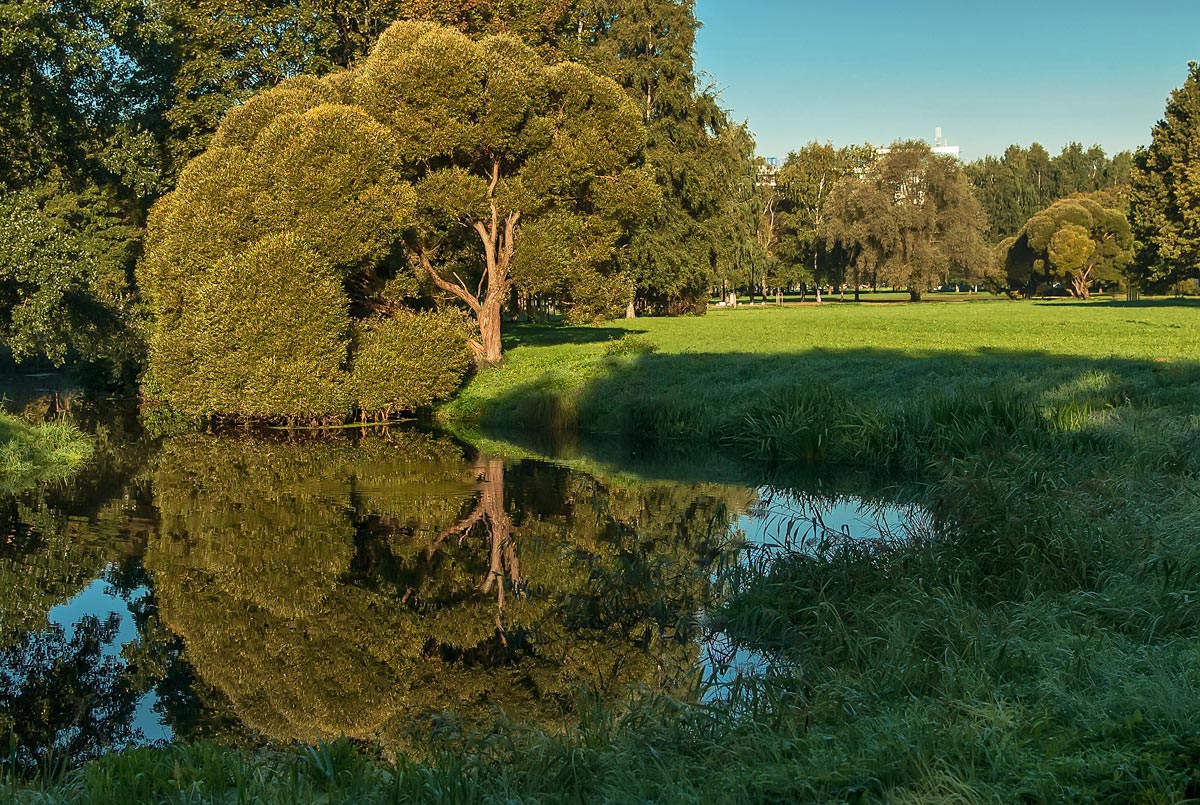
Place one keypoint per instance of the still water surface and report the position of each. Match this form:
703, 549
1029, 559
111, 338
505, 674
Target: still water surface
396, 589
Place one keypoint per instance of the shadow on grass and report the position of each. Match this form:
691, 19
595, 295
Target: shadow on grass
856, 407
549, 335
1119, 303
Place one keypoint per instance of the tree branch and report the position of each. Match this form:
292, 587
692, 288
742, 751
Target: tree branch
459, 290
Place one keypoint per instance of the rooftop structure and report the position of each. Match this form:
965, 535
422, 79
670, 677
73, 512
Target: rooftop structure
940, 146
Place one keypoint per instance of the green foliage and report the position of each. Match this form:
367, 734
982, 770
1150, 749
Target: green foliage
1075, 241
496, 140
703, 164
1022, 181
409, 361
265, 335
913, 217
258, 262
59, 300
32, 454
630, 345
1166, 186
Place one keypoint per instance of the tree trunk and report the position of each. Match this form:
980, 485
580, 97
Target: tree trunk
1080, 286
914, 294
486, 302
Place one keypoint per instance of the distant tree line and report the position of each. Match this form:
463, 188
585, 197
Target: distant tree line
856, 217
1024, 181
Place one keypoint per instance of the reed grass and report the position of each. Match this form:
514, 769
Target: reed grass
31, 454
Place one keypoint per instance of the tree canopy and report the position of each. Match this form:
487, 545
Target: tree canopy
497, 142
913, 213
1076, 241
1023, 181
266, 267
1166, 191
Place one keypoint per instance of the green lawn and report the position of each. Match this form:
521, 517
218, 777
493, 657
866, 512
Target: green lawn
596, 376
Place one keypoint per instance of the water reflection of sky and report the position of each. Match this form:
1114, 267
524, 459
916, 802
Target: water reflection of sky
799, 521
100, 599
782, 521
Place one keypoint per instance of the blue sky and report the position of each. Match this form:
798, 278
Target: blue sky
989, 73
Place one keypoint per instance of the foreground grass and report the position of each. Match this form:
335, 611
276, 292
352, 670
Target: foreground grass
1041, 646
30, 454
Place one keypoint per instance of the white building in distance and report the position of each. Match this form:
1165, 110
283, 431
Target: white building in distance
940, 146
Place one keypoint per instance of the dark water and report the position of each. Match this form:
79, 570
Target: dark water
398, 589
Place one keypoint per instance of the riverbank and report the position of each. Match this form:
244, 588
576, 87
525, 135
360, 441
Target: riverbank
726, 375
30, 454
1044, 645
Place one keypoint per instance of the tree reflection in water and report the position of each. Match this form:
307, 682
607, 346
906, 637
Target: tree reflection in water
398, 587
65, 696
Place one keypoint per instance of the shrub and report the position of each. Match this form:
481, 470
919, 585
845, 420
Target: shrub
409, 361
265, 335
254, 263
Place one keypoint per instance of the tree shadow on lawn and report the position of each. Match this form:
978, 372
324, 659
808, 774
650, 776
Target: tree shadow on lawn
550, 335
1118, 303
699, 401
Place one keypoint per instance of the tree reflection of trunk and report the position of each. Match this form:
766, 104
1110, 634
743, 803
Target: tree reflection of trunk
504, 566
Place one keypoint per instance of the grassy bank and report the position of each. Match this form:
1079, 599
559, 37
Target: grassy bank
1043, 646
30, 454
686, 378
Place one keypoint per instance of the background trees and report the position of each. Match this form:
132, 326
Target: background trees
915, 213
804, 186
1076, 241
1023, 181
1166, 191
703, 164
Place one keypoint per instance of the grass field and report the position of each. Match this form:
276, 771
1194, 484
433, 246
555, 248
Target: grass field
1042, 646
608, 379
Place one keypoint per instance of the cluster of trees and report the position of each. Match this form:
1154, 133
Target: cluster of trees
1024, 181
900, 216
848, 216
1165, 192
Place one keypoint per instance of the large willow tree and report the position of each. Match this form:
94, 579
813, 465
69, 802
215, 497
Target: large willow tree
914, 214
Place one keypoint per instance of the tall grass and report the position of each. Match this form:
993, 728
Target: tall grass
30, 454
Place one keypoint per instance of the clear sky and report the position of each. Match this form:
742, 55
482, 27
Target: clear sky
989, 73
